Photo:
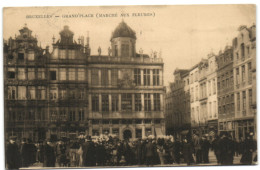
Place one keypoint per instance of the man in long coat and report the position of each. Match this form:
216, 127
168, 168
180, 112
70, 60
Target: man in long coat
249, 146
49, 155
89, 156
226, 147
12, 154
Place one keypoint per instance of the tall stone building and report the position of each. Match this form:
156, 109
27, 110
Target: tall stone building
25, 85
126, 92
178, 118
244, 47
225, 84
68, 92
212, 109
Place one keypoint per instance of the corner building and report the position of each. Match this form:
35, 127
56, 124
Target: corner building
244, 52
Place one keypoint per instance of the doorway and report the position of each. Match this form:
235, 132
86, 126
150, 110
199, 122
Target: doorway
127, 134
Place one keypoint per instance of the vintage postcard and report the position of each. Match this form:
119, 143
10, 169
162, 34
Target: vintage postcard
129, 86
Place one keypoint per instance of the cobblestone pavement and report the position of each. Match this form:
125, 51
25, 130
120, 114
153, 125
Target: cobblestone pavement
212, 162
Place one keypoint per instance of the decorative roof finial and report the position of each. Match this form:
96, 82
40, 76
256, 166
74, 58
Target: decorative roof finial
25, 25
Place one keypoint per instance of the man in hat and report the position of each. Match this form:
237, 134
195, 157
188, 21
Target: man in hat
12, 154
49, 155
249, 146
89, 156
25, 153
226, 147
205, 145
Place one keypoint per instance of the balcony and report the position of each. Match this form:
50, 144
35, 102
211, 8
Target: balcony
127, 115
107, 59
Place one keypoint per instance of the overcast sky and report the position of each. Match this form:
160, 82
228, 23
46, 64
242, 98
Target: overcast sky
184, 34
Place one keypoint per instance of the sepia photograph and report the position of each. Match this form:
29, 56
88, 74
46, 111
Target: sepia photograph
129, 86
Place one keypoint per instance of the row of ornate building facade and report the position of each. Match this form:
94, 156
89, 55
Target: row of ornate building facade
217, 94
66, 91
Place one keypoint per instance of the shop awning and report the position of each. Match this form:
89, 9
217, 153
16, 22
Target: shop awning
158, 132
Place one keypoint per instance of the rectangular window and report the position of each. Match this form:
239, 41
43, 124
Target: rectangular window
11, 92
105, 103
31, 92
147, 77
62, 54
147, 102
104, 77
94, 77
72, 54
156, 77
197, 93
21, 56
209, 87
31, 74
41, 92
125, 50
63, 94
238, 101
214, 86
250, 97
249, 67
63, 115
126, 102
237, 76
53, 75
243, 73
114, 77
114, 102
72, 74
11, 73
138, 104
81, 94
21, 73
72, 93
81, 115
244, 100
41, 73
30, 55
63, 75
137, 76
53, 94
21, 92
156, 99
81, 74
116, 51
95, 102
72, 115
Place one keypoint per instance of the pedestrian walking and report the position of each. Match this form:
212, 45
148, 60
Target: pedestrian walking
49, 154
12, 154
215, 148
205, 145
187, 151
249, 147
226, 147
197, 148
150, 153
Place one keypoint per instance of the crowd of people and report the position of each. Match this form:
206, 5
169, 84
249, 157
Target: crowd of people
110, 151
